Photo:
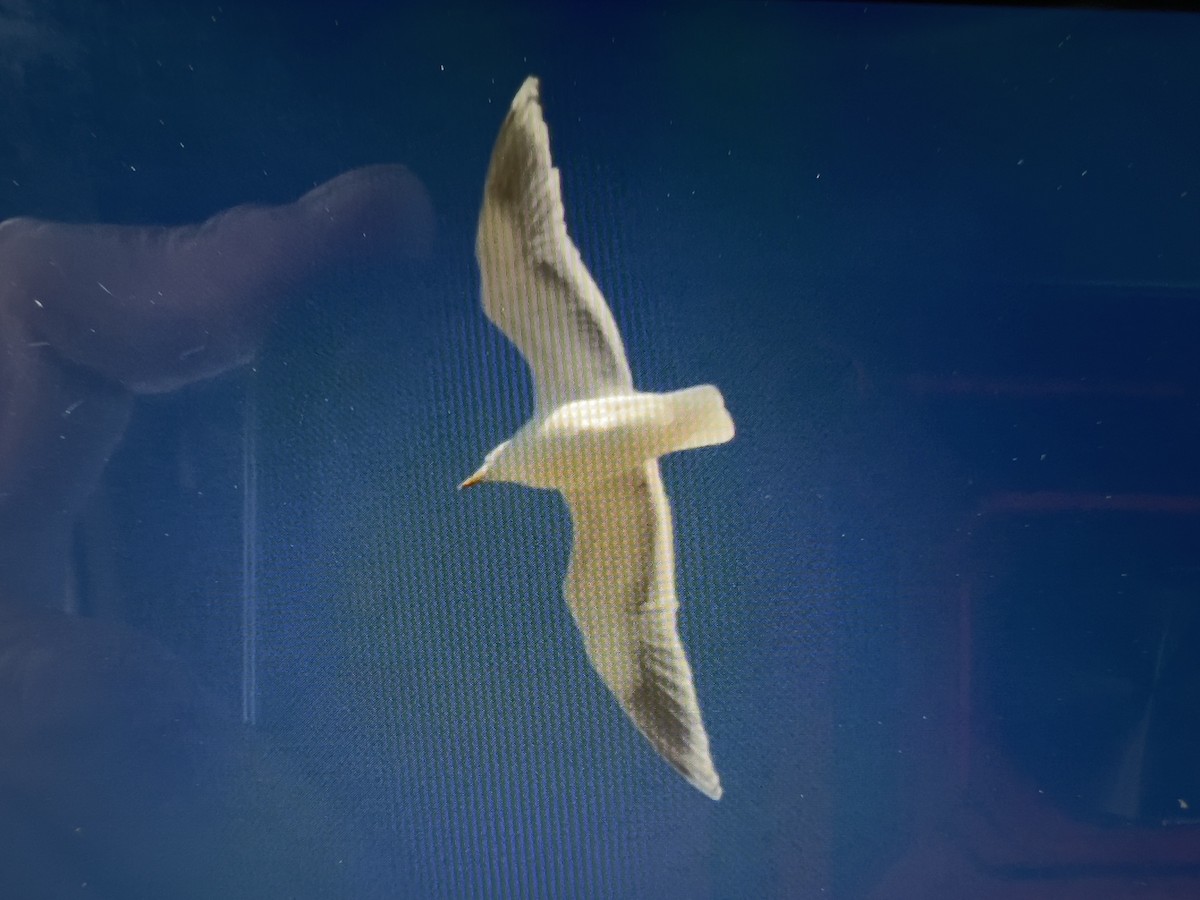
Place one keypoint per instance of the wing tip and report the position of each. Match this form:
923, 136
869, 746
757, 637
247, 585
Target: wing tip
530, 92
521, 153
697, 770
677, 734
708, 784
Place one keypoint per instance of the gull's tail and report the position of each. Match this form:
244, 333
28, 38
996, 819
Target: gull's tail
698, 418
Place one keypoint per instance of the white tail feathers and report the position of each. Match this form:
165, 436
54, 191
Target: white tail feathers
698, 418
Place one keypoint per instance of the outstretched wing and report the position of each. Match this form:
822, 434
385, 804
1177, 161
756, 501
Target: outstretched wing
536, 288
621, 590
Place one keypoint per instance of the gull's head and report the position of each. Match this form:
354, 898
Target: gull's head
493, 468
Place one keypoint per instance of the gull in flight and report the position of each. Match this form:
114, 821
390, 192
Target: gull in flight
596, 439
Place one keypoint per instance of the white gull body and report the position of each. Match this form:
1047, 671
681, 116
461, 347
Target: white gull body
596, 439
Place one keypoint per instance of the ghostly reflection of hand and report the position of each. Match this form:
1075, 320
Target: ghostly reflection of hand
91, 315
119, 776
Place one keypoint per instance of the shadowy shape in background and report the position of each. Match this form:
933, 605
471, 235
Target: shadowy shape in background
119, 775
91, 315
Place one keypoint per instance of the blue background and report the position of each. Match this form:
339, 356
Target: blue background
802, 203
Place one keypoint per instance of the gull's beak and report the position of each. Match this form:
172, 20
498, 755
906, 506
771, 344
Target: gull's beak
472, 481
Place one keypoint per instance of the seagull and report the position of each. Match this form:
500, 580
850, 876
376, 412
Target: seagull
596, 439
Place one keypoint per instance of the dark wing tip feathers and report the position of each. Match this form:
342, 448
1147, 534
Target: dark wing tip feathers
531, 89
668, 725
515, 153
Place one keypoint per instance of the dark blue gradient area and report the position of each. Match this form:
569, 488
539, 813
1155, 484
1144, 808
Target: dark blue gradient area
938, 593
